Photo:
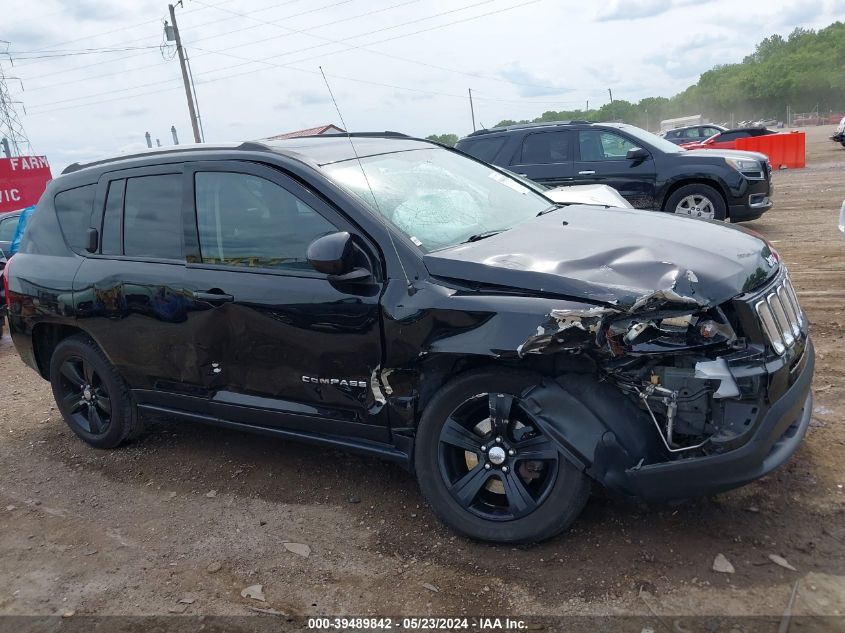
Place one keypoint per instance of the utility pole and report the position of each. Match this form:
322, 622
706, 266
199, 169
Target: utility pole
175, 137
191, 108
471, 109
149, 139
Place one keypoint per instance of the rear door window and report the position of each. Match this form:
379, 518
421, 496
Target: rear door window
112, 243
152, 219
484, 148
546, 148
73, 208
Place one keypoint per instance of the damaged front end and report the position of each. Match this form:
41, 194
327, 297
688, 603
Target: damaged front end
692, 382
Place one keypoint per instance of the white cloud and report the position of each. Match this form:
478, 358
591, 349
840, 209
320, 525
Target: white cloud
520, 63
636, 9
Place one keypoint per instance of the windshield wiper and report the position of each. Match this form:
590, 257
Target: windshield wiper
482, 235
555, 206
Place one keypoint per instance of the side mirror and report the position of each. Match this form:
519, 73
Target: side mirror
334, 255
331, 254
637, 153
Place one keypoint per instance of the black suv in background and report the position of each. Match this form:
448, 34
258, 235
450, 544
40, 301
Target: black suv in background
418, 305
650, 172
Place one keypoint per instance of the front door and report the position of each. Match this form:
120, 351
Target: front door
278, 343
601, 160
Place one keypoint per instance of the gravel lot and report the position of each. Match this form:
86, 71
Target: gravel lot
197, 514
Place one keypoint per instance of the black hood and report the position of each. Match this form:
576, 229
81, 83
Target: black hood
621, 257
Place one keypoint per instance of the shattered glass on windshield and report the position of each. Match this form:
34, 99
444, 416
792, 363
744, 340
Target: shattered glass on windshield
438, 198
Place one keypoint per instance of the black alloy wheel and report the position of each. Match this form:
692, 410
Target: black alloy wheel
85, 397
495, 461
486, 467
91, 395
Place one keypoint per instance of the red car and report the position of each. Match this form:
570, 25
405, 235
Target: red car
727, 139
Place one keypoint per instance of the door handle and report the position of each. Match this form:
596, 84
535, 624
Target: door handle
213, 297
523, 175
587, 172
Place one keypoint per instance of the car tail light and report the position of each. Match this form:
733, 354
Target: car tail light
6, 280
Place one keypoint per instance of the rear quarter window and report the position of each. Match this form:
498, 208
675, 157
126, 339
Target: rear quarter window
73, 209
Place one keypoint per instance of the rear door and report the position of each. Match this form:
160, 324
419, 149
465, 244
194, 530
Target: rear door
278, 344
602, 160
545, 157
130, 294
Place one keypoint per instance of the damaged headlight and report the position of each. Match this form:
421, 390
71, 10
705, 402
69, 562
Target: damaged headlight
667, 332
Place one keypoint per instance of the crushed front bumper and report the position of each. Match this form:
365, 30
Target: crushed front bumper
775, 438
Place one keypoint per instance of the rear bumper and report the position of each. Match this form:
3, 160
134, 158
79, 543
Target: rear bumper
776, 438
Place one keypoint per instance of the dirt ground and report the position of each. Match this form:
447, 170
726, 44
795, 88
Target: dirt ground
197, 514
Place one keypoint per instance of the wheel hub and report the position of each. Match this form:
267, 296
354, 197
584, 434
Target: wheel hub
87, 394
497, 455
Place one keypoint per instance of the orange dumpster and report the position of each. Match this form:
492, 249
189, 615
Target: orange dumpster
783, 150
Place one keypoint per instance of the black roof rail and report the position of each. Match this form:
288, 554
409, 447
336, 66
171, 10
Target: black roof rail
254, 146
520, 126
385, 134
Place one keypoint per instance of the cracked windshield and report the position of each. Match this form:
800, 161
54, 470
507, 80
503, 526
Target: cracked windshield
437, 198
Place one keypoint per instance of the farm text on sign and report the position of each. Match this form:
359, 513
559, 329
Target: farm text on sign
22, 181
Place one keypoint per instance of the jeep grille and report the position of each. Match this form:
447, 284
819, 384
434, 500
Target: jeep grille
780, 315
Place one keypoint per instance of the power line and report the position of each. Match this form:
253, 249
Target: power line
365, 47
100, 64
124, 28
94, 51
290, 67
250, 61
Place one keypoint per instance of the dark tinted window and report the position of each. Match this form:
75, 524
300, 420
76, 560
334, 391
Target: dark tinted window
731, 136
152, 224
673, 134
484, 148
245, 220
112, 218
546, 147
73, 208
596, 145
7, 228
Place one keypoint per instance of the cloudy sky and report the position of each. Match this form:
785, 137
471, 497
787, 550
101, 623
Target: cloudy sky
393, 64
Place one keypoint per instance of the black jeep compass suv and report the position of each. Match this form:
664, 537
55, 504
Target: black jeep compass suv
398, 298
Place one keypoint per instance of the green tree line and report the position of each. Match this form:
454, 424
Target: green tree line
805, 72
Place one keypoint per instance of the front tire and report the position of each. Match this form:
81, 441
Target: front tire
487, 470
697, 201
92, 397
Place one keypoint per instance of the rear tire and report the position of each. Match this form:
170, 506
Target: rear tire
92, 397
453, 452
697, 201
